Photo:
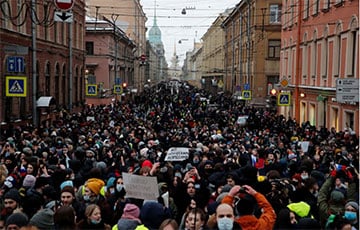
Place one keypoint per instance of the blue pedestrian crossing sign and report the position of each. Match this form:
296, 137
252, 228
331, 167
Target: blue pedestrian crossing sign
284, 99
15, 86
91, 90
118, 89
246, 94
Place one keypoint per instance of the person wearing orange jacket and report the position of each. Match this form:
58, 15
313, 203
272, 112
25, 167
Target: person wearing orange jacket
247, 198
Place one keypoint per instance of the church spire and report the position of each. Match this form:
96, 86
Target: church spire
155, 22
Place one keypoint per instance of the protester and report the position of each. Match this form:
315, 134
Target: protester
15, 221
93, 219
249, 199
76, 159
64, 218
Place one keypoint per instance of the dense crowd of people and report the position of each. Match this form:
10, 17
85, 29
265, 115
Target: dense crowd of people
271, 173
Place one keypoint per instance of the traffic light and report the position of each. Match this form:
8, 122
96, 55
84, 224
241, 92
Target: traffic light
273, 92
273, 98
124, 86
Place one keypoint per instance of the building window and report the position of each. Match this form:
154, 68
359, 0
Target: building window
338, 2
47, 80
275, 13
316, 4
304, 60
21, 14
326, 5
337, 55
57, 82
314, 56
89, 48
274, 48
56, 30
351, 53
349, 120
324, 57
306, 9
335, 118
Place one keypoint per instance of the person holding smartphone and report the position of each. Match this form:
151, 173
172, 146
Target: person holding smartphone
246, 205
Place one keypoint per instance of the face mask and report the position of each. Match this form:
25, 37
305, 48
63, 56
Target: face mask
119, 187
86, 197
350, 215
95, 221
112, 190
225, 223
304, 177
195, 161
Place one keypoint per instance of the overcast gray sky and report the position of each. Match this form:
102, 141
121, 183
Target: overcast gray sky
175, 26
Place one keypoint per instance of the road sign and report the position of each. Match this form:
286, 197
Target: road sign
284, 99
117, 81
246, 94
61, 16
246, 86
15, 64
284, 82
91, 90
64, 4
15, 86
118, 89
347, 90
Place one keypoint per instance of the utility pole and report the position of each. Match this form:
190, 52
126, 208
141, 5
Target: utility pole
240, 50
70, 67
298, 68
114, 18
248, 43
233, 53
34, 67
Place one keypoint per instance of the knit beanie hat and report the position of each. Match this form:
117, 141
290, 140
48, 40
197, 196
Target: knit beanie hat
337, 196
13, 194
147, 163
66, 183
110, 182
19, 219
352, 204
131, 211
68, 189
29, 181
95, 185
44, 219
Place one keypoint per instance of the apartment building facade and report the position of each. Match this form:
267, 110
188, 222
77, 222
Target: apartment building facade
320, 45
108, 54
252, 48
213, 55
130, 17
46, 61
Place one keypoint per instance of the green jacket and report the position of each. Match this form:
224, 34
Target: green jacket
326, 207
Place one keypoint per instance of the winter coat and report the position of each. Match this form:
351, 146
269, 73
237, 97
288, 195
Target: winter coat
250, 222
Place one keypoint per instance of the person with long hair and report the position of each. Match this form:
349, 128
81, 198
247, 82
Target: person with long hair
93, 219
64, 218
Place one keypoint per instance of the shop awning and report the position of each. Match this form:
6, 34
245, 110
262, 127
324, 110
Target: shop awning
45, 101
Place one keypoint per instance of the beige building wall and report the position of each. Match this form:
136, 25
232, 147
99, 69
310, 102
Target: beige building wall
130, 17
260, 66
213, 53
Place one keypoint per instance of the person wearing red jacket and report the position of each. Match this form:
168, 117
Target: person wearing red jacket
246, 208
